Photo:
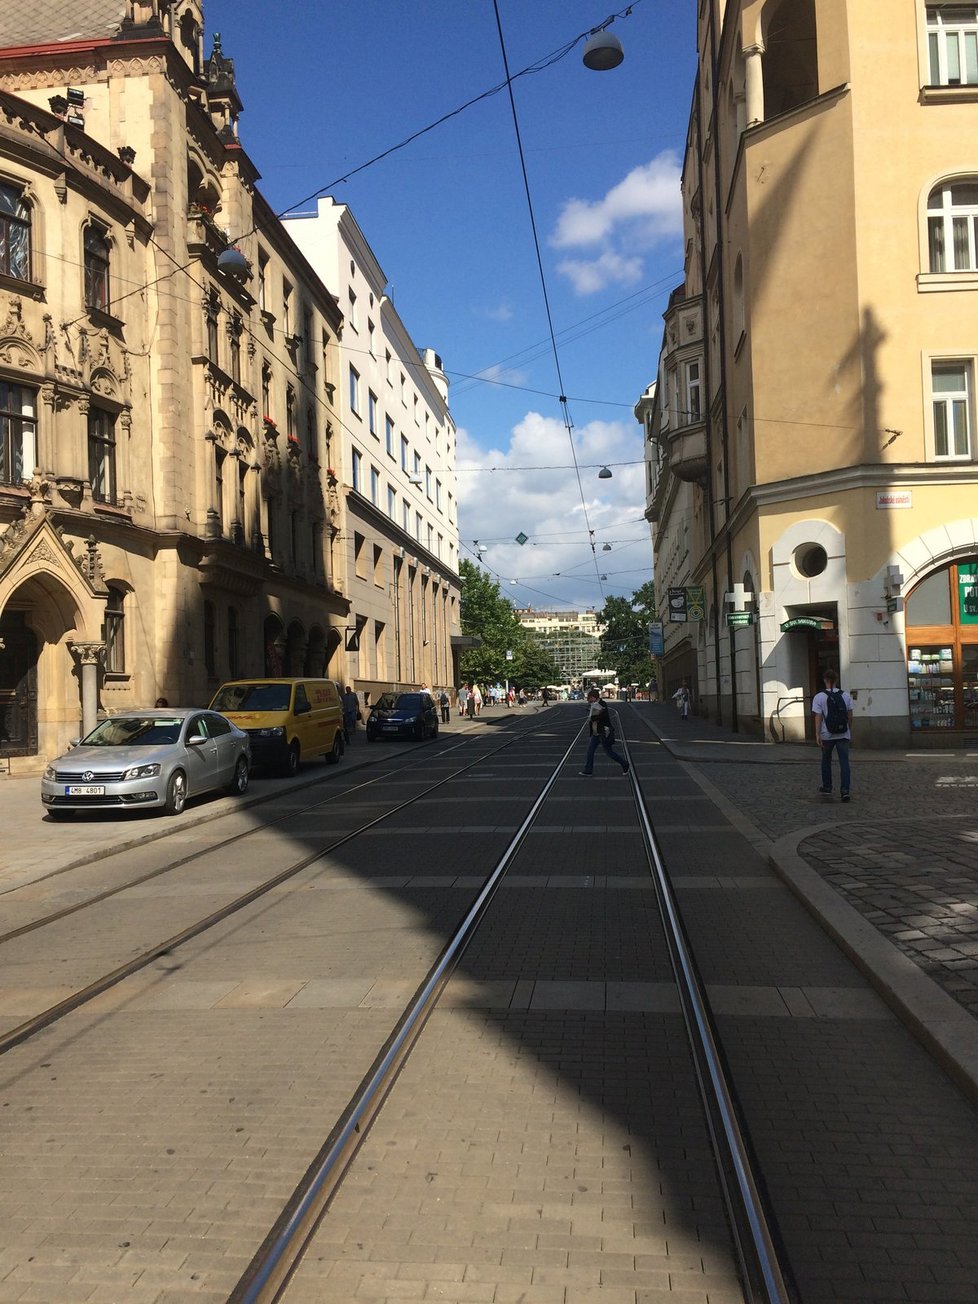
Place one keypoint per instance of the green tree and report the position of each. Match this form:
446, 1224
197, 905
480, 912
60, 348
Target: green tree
490, 616
625, 641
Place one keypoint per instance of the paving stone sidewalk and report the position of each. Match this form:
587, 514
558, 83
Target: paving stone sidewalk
903, 853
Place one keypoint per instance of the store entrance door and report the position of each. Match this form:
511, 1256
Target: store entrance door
823, 652
18, 687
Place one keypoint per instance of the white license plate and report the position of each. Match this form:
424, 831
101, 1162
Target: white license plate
391, 728
85, 790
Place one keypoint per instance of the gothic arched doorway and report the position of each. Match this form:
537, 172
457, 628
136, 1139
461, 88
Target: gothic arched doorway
18, 686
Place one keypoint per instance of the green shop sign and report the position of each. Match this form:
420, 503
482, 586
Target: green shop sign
805, 622
968, 593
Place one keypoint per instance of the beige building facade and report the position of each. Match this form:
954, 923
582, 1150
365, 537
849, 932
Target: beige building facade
813, 431
398, 520
167, 414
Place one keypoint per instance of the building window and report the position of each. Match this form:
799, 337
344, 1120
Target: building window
438, 494
212, 306
290, 431
952, 44
101, 455
417, 526
372, 412
952, 219
389, 436
391, 503
352, 313
404, 453
219, 455
357, 471
96, 258
15, 233
374, 486
233, 642
114, 632
427, 483
693, 404
287, 292
266, 389
235, 328
18, 433
950, 389
405, 515
262, 278
354, 391
210, 666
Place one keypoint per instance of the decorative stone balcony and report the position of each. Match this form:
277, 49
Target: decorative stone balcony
687, 452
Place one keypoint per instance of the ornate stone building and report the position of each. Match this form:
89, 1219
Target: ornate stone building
167, 373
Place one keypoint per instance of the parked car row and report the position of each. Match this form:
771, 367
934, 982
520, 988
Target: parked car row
159, 758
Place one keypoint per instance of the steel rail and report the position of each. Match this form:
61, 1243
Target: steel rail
36, 1023
279, 1254
749, 1220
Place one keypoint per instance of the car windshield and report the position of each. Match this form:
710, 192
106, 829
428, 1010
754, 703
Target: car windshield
134, 731
399, 702
253, 697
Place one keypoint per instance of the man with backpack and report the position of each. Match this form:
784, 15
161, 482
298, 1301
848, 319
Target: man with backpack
832, 710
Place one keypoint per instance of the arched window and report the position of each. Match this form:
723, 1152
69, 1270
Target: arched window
791, 55
952, 226
96, 259
15, 232
115, 632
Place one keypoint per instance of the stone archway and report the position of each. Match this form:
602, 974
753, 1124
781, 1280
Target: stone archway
295, 649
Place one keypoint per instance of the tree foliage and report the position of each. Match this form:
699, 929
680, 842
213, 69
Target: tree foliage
625, 641
490, 616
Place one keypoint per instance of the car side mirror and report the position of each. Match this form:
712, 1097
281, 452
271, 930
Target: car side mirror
196, 740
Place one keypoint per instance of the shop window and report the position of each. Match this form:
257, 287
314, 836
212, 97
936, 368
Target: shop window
114, 632
15, 232
18, 432
942, 649
101, 455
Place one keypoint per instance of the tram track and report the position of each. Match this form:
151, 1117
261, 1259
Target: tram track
44, 1018
267, 1278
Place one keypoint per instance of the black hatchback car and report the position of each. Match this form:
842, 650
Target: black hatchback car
403, 715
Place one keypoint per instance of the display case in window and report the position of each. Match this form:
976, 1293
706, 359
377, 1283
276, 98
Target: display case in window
930, 682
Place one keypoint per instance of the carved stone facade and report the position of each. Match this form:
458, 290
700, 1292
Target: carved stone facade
166, 399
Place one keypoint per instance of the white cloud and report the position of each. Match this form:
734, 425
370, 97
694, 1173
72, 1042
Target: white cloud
502, 312
642, 210
589, 276
496, 505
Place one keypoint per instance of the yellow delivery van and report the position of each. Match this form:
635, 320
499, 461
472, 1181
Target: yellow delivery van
287, 720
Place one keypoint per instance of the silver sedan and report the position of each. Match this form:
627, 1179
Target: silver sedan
143, 759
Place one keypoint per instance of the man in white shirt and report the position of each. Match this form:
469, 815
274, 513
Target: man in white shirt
832, 710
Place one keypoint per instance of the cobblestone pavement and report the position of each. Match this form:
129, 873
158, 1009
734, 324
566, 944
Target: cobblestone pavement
904, 852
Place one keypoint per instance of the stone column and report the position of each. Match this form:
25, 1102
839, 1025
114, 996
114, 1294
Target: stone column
89, 655
754, 80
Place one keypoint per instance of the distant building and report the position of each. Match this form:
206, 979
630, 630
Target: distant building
571, 637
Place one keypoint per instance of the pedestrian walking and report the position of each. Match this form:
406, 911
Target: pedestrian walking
470, 702
832, 709
682, 699
351, 714
477, 698
602, 734
463, 694
445, 702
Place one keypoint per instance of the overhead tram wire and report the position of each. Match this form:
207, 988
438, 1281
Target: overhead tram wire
568, 423
540, 65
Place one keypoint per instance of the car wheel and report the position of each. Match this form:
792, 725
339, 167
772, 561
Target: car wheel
239, 783
336, 751
57, 814
291, 766
176, 793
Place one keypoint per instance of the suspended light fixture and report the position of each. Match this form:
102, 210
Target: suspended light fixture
603, 52
606, 548
232, 261
604, 473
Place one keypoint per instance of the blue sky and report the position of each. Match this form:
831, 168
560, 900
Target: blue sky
326, 87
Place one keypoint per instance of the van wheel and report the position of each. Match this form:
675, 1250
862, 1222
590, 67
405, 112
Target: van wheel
176, 793
239, 783
332, 757
291, 766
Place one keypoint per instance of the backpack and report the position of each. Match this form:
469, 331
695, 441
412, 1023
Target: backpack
836, 713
